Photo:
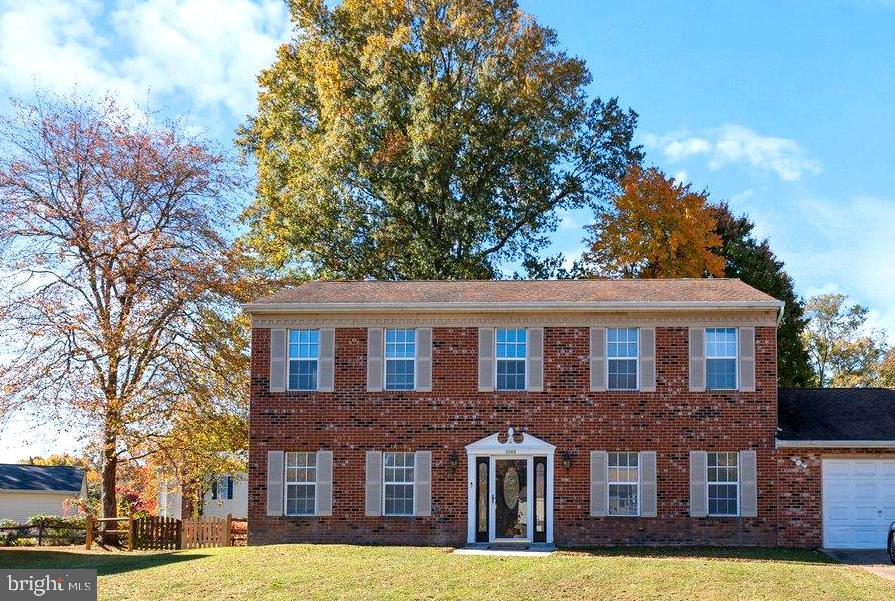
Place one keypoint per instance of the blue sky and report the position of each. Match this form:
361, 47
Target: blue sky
786, 109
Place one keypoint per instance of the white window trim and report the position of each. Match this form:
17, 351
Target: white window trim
287, 483
707, 483
524, 361
289, 360
385, 360
412, 485
736, 359
609, 483
636, 359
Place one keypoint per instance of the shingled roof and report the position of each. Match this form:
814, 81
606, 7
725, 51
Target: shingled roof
708, 291
54, 478
837, 415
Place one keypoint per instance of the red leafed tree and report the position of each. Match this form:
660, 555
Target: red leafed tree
112, 260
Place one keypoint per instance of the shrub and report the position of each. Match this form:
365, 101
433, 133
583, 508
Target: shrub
9, 537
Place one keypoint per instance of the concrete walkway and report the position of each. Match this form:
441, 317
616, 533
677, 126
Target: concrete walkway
875, 561
508, 550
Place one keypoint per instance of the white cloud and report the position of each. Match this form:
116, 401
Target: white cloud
840, 246
203, 53
735, 144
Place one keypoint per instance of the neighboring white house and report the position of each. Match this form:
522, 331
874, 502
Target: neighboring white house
27, 490
226, 495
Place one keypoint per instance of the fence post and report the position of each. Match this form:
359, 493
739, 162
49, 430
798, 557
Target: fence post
228, 542
40, 533
89, 530
130, 531
178, 542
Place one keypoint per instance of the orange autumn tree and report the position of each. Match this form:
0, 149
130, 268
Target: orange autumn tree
655, 228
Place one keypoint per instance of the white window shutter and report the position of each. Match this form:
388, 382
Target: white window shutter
648, 487
699, 502
535, 350
424, 359
373, 504
746, 359
326, 375
599, 479
648, 359
748, 484
598, 359
375, 351
486, 359
324, 490
275, 473
697, 359
422, 483
278, 360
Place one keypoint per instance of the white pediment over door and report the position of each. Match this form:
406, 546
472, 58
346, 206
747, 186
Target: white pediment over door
522, 444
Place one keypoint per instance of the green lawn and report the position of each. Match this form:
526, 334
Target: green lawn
357, 573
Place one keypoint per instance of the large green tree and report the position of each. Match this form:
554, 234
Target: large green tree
424, 139
843, 352
755, 263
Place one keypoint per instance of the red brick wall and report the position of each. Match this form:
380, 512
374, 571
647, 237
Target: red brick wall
672, 421
801, 515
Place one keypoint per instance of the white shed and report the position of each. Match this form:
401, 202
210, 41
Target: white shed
27, 490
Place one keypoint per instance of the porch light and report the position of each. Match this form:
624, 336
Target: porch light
454, 459
566, 459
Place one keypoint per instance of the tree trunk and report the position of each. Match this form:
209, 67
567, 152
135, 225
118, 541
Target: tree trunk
109, 499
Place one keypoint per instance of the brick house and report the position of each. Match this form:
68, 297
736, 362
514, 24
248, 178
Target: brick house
554, 412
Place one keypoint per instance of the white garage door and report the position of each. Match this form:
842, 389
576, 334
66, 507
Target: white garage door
858, 502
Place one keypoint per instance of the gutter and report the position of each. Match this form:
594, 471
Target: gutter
834, 444
478, 307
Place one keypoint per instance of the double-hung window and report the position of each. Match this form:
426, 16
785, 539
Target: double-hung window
722, 479
622, 353
304, 351
398, 474
721, 358
624, 483
400, 359
301, 483
510, 355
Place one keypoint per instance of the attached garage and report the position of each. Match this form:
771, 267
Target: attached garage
858, 502
836, 466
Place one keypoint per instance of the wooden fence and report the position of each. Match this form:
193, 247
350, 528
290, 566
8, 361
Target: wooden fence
155, 533
44, 531
206, 532
159, 533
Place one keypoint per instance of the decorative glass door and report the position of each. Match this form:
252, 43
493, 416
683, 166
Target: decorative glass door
510, 497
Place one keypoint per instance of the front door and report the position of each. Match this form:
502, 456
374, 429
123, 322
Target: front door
510, 499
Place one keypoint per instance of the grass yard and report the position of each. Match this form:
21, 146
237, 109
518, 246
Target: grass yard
357, 573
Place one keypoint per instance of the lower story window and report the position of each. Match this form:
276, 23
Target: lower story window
624, 483
398, 475
301, 482
723, 484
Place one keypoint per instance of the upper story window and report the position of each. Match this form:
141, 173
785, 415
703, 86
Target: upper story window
304, 351
721, 358
398, 478
624, 483
510, 355
722, 478
622, 353
301, 483
400, 359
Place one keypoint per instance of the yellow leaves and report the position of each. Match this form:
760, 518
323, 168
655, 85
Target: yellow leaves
656, 228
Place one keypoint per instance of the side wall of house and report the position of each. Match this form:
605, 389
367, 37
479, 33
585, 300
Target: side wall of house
20, 506
672, 421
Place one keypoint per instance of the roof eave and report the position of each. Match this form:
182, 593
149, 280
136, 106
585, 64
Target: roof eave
835, 444
565, 307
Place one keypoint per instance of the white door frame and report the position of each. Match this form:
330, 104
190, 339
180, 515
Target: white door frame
528, 448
